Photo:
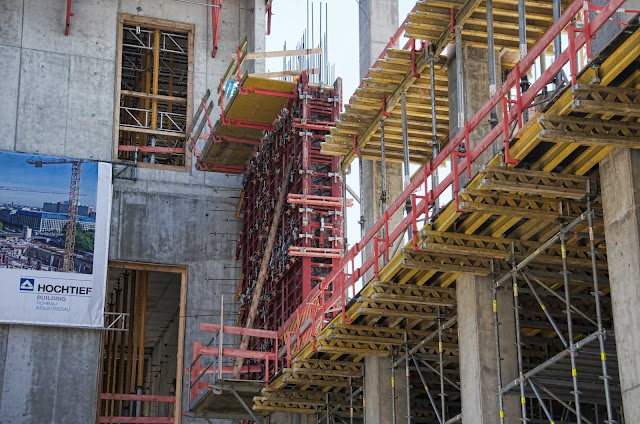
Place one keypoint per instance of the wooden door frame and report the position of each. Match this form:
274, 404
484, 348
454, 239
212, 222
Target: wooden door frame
173, 269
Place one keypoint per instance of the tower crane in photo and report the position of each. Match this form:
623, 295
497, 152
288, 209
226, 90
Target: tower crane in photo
72, 215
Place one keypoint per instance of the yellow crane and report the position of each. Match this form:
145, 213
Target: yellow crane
72, 215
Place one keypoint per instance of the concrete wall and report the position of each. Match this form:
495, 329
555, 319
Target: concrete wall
59, 99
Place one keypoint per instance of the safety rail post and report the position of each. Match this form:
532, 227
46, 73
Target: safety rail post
386, 234
298, 327
587, 28
375, 255
194, 370
506, 133
343, 298
413, 57
456, 181
414, 215
288, 335
428, 199
314, 309
239, 66
266, 370
467, 153
518, 101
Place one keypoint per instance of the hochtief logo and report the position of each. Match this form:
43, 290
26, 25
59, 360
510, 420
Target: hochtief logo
27, 284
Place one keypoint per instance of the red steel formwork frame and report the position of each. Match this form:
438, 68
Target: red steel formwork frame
310, 235
260, 363
328, 298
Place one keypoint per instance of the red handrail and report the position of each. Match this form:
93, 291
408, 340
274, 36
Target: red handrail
522, 104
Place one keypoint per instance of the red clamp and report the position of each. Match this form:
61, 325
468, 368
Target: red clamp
413, 57
355, 145
453, 20
384, 106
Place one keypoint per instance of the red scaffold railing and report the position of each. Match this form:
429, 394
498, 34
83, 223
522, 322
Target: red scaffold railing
264, 362
330, 296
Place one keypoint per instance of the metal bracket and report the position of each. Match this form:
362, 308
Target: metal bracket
120, 174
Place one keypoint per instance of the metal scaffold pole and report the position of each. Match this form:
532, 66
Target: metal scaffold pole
360, 175
407, 376
426, 388
441, 364
596, 295
405, 154
383, 183
393, 390
435, 145
572, 347
516, 313
496, 324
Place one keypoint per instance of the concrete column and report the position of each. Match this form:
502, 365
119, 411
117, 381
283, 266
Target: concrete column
475, 63
253, 22
377, 391
378, 21
476, 341
610, 29
620, 179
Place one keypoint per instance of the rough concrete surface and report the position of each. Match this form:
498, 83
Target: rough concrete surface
59, 99
477, 344
10, 59
378, 393
48, 374
620, 178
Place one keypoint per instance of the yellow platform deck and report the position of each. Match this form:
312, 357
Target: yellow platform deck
246, 107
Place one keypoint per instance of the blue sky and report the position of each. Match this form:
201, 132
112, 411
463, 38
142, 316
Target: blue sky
290, 20
15, 172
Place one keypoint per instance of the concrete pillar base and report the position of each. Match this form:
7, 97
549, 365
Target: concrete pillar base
476, 340
377, 391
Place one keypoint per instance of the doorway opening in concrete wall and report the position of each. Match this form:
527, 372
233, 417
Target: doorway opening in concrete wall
141, 367
154, 86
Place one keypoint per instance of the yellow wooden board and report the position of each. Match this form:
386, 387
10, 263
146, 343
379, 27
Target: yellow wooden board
251, 107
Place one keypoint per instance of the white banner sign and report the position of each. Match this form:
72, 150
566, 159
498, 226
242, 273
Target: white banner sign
48, 277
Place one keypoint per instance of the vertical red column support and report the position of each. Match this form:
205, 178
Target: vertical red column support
69, 15
467, 139
413, 59
573, 66
506, 136
414, 215
269, 13
306, 188
216, 10
456, 176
